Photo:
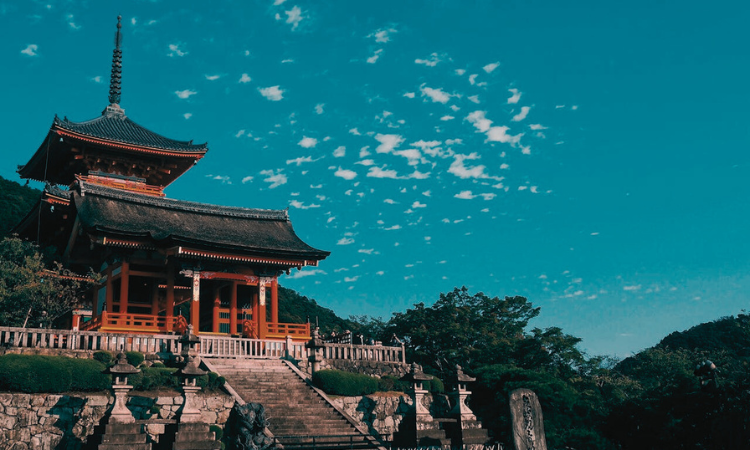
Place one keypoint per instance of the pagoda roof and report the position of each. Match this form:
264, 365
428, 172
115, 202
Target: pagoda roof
164, 223
115, 127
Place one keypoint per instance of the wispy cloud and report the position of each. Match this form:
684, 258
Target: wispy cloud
432, 61
31, 50
345, 241
305, 273
273, 93
374, 58
383, 35
339, 152
301, 205
300, 160
388, 142
175, 50
187, 93
489, 68
213, 77
521, 115
515, 97
319, 108
275, 178
345, 174
293, 17
245, 78
436, 94
96, 79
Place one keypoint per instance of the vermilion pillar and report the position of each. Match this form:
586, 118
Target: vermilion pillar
155, 297
124, 285
195, 304
108, 294
275, 301
170, 295
233, 309
256, 313
262, 314
217, 305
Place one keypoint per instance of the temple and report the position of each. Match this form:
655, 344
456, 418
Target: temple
162, 263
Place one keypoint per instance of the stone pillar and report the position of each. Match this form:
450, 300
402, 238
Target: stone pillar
289, 347
315, 349
189, 372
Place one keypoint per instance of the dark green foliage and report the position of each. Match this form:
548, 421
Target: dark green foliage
336, 382
103, 357
16, 202
135, 358
435, 385
51, 374
294, 308
218, 431
389, 383
214, 381
158, 364
152, 378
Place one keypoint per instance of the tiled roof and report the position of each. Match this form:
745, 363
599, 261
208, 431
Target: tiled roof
166, 222
113, 125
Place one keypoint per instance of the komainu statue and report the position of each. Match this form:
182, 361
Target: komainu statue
246, 430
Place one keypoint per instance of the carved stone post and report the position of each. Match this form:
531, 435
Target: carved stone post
120, 371
189, 372
460, 397
289, 348
315, 346
422, 412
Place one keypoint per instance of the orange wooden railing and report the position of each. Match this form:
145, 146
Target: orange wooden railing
130, 323
282, 330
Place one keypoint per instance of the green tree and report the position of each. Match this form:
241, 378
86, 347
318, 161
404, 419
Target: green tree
32, 291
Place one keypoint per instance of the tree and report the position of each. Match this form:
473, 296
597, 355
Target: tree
33, 291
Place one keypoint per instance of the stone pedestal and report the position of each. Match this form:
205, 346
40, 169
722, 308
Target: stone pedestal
120, 412
190, 413
315, 345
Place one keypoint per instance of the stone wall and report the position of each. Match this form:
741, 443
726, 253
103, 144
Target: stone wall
380, 414
52, 421
372, 368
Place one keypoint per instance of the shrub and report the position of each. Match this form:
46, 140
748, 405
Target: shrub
151, 378
134, 358
103, 357
390, 383
158, 364
434, 386
51, 374
336, 382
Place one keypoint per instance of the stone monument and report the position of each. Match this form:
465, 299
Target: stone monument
527, 420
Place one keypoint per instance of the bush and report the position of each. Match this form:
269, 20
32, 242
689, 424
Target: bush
219, 432
103, 357
151, 378
51, 374
336, 382
135, 358
389, 383
434, 386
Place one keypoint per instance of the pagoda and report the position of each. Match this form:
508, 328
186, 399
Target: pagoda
164, 263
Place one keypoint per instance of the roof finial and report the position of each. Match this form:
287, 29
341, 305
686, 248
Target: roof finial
114, 83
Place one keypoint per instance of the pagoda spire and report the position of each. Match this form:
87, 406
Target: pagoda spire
114, 83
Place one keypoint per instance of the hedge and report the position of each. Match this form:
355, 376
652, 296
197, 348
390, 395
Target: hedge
336, 382
51, 374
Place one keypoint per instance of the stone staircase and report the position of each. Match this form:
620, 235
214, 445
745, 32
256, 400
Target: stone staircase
299, 417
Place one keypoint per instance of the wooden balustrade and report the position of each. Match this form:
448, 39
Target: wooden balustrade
88, 340
282, 330
230, 347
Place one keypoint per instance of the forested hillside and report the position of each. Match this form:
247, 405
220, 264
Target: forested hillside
15, 202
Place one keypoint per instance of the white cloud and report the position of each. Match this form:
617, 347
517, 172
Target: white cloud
213, 77
488, 196
473, 98
278, 2
473, 78
240, 133
537, 126
175, 50
500, 134
346, 174
388, 142
223, 178
31, 50
367, 251
431, 62
187, 115
374, 58
276, 179
363, 152
96, 79
416, 205
383, 35
460, 72
366, 162
635, 287
413, 155
437, 95
522, 115
319, 108
515, 97
465, 195
351, 279
245, 78
409, 95
377, 172
305, 273
247, 179
339, 152
355, 132
480, 122
307, 142
389, 201
300, 160
300, 205
294, 17
272, 93
574, 107
446, 118
345, 241
394, 227
185, 94
490, 67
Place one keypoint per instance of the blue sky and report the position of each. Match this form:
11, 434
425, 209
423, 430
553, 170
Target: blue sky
589, 156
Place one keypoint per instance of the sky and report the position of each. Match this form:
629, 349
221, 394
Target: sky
590, 156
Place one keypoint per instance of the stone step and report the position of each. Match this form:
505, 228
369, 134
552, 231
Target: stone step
202, 445
124, 439
125, 446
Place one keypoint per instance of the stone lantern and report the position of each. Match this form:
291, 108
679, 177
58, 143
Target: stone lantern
417, 377
120, 371
315, 346
189, 372
460, 396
